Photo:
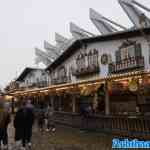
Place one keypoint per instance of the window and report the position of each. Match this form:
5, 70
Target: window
124, 53
37, 80
80, 61
27, 82
93, 58
129, 50
62, 72
90, 59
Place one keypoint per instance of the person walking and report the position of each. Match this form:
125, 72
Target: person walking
23, 123
50, 118
41, 117
4, 121
30, 121
8, 120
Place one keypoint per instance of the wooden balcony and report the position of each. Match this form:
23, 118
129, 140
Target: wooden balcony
41, 84
121, 126
60, 80
35, 85
86, 71
127, 65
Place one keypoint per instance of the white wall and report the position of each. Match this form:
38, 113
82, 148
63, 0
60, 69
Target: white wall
108, 47
33, 77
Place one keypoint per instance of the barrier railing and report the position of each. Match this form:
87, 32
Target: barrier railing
123, 126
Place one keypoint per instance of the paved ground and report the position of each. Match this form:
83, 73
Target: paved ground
65, 139
71, 139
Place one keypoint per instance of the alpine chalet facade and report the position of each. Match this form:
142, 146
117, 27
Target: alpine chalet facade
110, 73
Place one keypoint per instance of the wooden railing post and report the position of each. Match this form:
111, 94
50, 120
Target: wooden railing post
60, 103
52, 101
13, 106
73, 104
107, 107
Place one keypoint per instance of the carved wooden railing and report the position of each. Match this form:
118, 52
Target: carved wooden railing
122, 126
127, 64
61, 80
41, 84
86, 71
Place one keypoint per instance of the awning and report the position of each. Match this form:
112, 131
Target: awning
8, 98
89, 89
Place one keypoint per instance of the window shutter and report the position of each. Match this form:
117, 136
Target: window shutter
138, 50
118, 57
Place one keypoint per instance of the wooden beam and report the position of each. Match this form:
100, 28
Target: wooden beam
107, 104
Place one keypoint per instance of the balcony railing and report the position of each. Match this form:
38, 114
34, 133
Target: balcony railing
61, 80
36, 84
127, 64
92, 69
41, 84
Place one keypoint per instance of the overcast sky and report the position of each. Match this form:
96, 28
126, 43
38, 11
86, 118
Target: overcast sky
25, 24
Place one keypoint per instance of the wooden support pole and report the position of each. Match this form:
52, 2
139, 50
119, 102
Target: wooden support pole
52, 101
60, 103
13, 105
107, 104
73, 104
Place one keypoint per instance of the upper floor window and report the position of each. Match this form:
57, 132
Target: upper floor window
69, 72
37, 80
62, 72
81, 61
93, 58
53, 75
128, 50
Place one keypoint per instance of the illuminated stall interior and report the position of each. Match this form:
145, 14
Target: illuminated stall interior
127, 93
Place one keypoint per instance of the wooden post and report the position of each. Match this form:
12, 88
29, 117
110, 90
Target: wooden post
107, 105
13, 106
52, 101
139, 98
60, 103
73, 104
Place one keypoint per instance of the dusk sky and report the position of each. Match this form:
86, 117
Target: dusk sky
25, 24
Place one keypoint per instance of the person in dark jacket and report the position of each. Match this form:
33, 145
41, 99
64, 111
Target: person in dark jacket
23, 123
8, 120
4, 121
31, 117
41, 117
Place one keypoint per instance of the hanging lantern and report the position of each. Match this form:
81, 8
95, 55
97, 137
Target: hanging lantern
104, 59
83, 90
101, 90
133, 85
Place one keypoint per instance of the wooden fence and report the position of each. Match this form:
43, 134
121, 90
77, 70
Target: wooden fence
122, 126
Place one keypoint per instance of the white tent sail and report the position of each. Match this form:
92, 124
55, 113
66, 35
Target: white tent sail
78, 32
138, 18
60, 40
62, 43
42, 54
104, 25
40, 59
50, 48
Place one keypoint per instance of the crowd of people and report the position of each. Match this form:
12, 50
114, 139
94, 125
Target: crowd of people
23, 122
26, 116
